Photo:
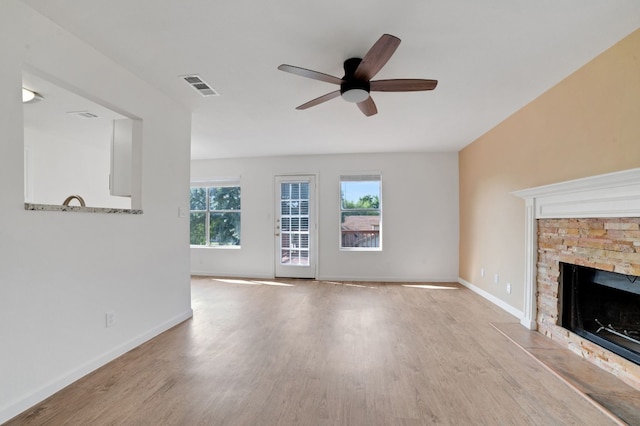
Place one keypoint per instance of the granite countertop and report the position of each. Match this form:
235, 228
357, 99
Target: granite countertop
79, 209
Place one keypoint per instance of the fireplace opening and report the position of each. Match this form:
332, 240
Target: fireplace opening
601, 306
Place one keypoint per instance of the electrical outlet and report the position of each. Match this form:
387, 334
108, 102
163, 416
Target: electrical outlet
482, 272
496, 278
508, 288
110, 318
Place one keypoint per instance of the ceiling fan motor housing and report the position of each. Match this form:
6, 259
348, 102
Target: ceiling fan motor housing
352, 89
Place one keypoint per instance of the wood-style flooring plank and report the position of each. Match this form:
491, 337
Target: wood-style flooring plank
301, 352
601, 387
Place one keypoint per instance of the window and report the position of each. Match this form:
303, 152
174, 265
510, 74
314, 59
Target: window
360, 212
215, 213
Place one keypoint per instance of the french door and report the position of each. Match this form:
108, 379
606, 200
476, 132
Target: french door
295, 226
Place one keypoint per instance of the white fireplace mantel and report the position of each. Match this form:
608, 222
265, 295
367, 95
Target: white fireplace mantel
610, 195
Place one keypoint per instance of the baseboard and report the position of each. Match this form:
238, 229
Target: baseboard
23, 403
491, 298
376, 278
216, 275
394, 279
530, 324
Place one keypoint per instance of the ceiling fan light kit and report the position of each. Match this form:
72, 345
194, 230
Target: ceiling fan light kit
354, 95
29, 96
356, 84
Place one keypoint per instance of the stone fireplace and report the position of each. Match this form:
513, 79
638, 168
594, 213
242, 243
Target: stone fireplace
593, 223
611, 244
602, 307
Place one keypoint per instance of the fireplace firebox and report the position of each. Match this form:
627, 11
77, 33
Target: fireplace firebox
601, 306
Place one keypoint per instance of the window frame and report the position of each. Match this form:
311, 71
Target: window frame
222, 182
368, 177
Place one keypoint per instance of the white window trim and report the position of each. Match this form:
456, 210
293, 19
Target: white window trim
220, 182
223, 181
359, 177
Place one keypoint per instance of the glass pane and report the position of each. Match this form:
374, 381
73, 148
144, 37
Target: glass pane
304, 191
224, 198
360, 194
224, 229
299, 257
284, 241
198, 235
198, 199
360, 229
295, 191
294, 212
294, 207
285, 191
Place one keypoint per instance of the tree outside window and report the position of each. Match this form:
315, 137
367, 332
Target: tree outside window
215, 216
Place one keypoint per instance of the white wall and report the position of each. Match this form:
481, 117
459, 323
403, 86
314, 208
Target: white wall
62, 167
60, 272
420, 217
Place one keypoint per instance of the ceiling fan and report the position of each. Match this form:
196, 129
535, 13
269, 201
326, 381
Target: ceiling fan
358, 72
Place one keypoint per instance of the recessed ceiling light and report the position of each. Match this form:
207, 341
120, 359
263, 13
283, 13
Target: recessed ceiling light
29, 96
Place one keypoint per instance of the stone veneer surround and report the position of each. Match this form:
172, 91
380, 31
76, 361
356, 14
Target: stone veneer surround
611, 244
593, 222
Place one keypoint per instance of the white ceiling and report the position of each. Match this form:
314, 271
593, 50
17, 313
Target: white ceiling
53, 116
491, 57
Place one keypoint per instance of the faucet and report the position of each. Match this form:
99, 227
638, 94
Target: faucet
71, 197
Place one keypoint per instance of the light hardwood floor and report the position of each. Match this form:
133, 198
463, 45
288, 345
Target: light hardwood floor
299, 352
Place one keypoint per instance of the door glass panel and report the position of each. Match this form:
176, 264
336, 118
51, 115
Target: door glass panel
294, 213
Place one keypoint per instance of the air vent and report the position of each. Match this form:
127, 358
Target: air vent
200, 85
85, 115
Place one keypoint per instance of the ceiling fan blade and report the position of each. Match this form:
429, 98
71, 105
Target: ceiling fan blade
402, 85
376, 57
368, 107
319, 100
310, 74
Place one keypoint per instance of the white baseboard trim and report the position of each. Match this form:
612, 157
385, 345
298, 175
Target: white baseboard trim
493, 299
221, 275
24, 402
376, 278
530, 324
394, 279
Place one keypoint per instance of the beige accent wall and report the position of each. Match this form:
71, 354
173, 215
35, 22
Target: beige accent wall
586, 125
